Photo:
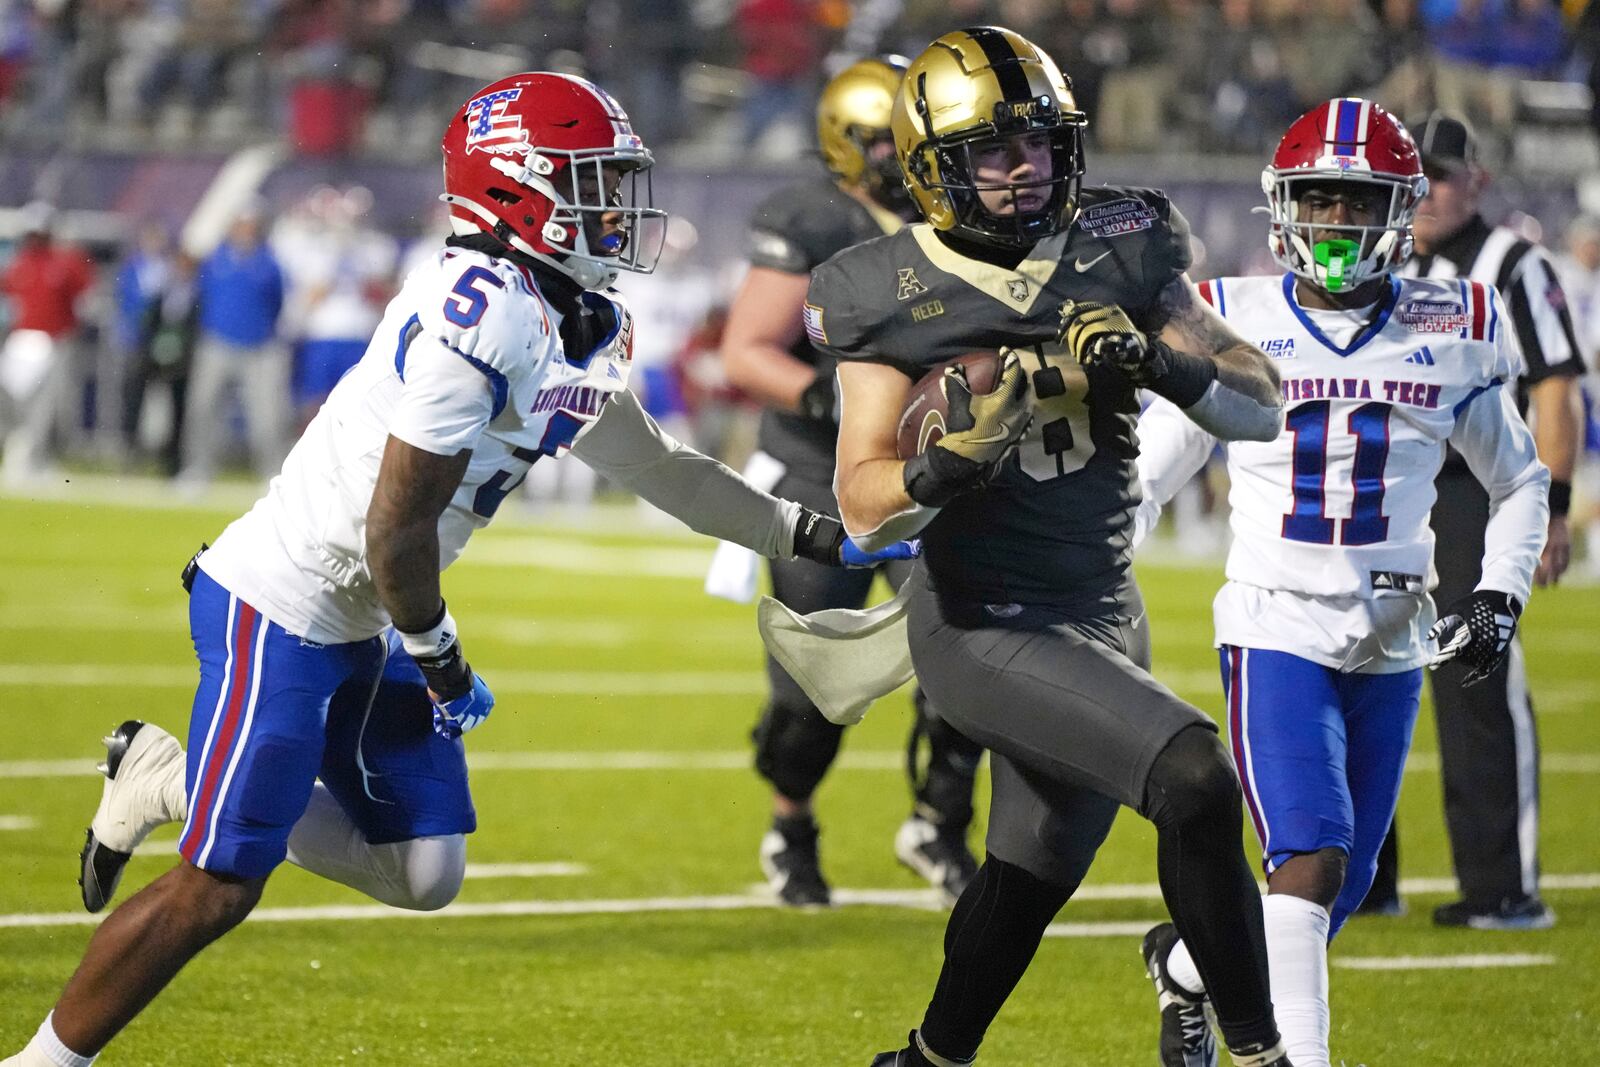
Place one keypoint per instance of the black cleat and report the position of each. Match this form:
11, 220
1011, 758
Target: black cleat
942, 858
100, 866
1186, 1037
910, 1056
789, 861
1526, 913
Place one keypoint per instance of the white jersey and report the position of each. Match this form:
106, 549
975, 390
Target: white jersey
467, 356
1332, 552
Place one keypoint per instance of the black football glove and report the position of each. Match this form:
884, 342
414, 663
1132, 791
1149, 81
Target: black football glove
1102, 335
818, 401
1476, 632
979, 431
822, 539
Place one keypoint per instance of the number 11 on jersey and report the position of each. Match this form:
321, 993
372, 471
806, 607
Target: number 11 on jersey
1367, 525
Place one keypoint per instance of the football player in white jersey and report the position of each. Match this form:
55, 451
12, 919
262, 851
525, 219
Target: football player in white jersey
333, 691
1325, 622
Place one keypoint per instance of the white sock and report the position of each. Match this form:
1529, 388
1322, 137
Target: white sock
1297, 953
1181, 969
422, 874
46, 1050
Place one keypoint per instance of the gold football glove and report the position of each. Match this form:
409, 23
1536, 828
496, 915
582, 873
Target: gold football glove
1102, 335
979, 432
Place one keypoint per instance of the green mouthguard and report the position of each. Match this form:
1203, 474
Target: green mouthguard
1338, 257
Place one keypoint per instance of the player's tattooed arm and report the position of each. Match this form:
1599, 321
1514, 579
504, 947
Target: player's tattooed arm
1245, 401
414, 487
1191, 325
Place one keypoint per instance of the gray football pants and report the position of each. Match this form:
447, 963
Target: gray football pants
1063, 700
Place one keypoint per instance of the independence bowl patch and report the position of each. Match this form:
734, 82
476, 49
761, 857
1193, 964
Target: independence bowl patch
1117, 218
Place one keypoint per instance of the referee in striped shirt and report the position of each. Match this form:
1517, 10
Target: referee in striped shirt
1488, 748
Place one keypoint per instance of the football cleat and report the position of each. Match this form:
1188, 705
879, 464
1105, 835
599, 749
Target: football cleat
1272, 1057
789, 861
1527, 913
1186, 1037
914, 1055
144, 771
943, 859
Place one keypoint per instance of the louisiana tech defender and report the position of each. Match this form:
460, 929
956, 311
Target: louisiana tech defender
506, 348
1325, 622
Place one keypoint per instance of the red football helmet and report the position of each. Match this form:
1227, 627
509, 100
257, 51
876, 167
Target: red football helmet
1343, 140
541, 162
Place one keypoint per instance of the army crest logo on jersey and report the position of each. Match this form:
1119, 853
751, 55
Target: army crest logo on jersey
910, 286
1018, 289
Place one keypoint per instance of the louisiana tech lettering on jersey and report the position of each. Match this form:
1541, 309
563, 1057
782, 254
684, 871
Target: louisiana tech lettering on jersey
1332, 550
469, 355
1344, 493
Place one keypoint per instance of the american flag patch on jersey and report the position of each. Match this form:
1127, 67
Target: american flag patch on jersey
812, 315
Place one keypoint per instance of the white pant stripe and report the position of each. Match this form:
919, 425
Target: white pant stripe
1527, 768
256, 655
216, 712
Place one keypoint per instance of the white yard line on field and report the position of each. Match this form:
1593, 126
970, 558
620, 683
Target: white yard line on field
729, 760
916, 899
18, 822
1440, 963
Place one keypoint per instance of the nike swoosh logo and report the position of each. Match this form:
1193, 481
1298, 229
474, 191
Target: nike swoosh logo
1081, 266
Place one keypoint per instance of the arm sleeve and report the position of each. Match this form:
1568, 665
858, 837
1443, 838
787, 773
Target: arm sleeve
1498, 448
627, 446
1172, 450
446, 400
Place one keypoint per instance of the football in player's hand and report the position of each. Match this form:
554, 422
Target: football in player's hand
923, 420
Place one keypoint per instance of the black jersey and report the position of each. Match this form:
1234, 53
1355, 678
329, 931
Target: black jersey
1054, 526
794, 231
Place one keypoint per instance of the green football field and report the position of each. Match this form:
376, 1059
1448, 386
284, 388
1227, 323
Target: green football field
611, 915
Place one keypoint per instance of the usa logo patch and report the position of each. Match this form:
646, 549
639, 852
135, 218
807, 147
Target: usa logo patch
1117, 218
490, 128
1434, 316
1279, 347
812, 316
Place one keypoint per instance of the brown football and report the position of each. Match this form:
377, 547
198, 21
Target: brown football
923, 420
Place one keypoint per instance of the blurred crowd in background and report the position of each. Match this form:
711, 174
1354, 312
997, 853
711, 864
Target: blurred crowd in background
148, 341
727, 77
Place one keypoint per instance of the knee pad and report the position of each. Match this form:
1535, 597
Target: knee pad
795, 746
429, 871
1192, 779
942, 766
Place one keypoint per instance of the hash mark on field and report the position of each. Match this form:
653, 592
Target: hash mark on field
18, 822
1439, 963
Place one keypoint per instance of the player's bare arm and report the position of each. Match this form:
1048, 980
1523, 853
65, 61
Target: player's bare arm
763, 324
869, 480
1192, 326
1556, 434
414, 487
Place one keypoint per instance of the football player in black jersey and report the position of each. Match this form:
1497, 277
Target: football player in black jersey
769, 357
1026, 627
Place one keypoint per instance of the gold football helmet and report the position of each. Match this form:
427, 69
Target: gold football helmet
970, 88
852, 115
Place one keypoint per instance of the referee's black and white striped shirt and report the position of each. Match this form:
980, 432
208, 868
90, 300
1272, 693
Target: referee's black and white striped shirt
1526, 278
